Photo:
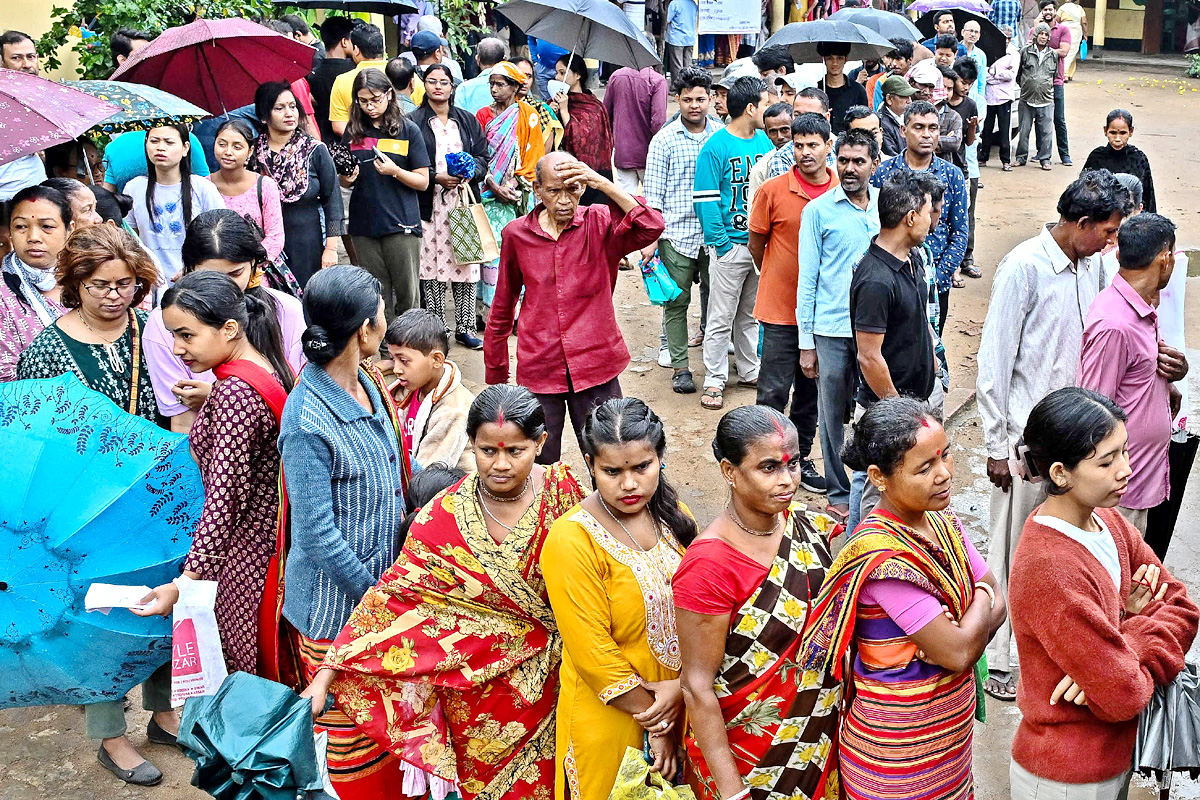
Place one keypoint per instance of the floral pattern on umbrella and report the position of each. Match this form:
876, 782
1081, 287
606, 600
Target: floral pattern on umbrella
36, 113
141, 107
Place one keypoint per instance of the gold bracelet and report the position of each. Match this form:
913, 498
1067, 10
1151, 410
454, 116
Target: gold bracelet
990, 592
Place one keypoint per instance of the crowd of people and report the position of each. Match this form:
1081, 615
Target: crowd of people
468, 616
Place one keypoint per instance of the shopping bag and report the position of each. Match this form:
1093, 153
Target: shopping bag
471, 237
1083, 49
660, 286
197, 665
635, 781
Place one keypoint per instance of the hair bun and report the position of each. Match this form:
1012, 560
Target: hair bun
315, 338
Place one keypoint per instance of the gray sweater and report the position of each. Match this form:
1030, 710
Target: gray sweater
342, 468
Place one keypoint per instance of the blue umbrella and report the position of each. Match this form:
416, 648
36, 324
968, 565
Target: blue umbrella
92, 494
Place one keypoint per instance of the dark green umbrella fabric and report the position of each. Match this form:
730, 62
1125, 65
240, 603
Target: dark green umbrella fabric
252, 739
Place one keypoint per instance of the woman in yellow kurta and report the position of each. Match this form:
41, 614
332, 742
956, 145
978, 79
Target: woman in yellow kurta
608, 564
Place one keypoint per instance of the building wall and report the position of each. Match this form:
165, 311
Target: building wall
33, 17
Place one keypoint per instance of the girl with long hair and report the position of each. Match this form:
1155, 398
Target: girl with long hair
1099, 621
168, 197
227, 242
467, 586
757, 726
608, 564
301, 165
235, 334
448, 129
914, 604
393, 166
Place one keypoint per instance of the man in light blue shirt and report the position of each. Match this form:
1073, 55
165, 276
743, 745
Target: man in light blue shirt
835, 232
475, 94
680, 34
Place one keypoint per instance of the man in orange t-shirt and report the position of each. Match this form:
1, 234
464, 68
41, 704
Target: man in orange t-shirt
774, 237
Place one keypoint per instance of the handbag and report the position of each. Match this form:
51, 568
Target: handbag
635, 781
471, 237
660, 286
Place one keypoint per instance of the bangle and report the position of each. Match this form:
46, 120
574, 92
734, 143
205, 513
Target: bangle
990, 592
744, 794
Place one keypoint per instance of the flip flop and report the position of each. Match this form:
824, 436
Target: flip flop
696, 341
971, 271
957, 282
712, 399
1001, 685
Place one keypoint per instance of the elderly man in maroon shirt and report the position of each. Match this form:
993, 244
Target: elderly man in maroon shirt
565, 256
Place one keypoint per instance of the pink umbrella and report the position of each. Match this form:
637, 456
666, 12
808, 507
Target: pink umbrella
217, 63
36, 113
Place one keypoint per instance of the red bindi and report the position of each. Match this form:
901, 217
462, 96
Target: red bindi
501, 444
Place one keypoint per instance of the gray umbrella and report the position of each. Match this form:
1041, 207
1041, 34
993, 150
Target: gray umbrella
1168, 737
388, 8
885, 23
592, 28
802, 38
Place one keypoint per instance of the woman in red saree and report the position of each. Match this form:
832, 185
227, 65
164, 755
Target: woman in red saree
758, 725
451, 661
217, 327
913, 605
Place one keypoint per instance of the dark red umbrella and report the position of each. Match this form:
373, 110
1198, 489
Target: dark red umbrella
217, 63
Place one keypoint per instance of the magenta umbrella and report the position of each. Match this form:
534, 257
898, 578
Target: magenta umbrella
36, 113
217, 63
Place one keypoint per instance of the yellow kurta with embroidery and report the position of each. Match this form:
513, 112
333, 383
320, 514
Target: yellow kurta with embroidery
615, 612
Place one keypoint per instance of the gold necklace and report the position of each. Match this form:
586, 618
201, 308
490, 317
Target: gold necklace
733, 516
109, 346
622, 526
500, 499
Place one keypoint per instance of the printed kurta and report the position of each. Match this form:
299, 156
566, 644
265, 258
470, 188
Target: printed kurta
617, 619
451, 660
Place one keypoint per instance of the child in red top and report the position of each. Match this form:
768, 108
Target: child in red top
1098, 621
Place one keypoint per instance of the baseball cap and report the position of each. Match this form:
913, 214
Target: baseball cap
425, 41
895, 84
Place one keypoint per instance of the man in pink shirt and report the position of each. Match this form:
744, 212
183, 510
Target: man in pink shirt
1124, 357
636, 101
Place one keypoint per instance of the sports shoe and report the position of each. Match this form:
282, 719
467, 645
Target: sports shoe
664, 357
468, 341
810, 479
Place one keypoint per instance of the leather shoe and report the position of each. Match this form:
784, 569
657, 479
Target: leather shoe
144, 774
159, 735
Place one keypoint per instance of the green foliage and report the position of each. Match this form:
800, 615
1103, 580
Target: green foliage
460, 17
1193, 70
99, 19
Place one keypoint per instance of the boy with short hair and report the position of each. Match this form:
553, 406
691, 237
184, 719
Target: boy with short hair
429, 391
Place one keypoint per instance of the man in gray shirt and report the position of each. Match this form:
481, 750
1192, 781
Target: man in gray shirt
1030, 346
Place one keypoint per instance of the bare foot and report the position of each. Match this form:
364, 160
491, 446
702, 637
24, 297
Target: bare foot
168, 721
121, 751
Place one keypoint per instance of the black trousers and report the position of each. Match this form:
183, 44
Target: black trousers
579, 405
944, 307
998, 116
1160, 524
779, 375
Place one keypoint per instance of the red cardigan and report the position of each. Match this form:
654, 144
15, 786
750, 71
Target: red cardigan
1069, 619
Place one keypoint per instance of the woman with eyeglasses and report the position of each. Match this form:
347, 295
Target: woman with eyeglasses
385, 213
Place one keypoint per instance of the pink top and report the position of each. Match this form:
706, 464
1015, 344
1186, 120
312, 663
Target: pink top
910, 607
166, 368
1119, 359
269, 216
715, 578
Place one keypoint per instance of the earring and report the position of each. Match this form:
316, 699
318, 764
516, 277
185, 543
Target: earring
663, 465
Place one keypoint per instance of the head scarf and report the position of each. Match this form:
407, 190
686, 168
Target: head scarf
507, 69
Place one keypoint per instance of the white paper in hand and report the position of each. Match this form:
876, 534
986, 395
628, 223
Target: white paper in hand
104, 597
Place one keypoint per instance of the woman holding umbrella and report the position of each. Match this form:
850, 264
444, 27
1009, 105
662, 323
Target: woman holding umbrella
588, 133
308, 183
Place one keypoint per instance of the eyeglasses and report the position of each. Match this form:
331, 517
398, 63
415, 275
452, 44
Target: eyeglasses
103, 290
431, 82
374, 100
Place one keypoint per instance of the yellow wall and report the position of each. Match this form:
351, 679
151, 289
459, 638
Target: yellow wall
33, 17
1120, 23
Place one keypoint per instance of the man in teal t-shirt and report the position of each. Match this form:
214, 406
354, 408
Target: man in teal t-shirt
719, 194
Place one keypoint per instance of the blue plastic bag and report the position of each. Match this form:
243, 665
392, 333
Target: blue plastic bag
1083, 50
660, 286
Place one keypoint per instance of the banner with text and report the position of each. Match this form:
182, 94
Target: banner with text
729, 16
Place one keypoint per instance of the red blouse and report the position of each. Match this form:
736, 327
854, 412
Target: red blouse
715, 578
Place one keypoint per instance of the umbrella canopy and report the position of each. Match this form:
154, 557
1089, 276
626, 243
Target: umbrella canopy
885, 23
217, 64
1168, 737
36, 113
92, 494
802, 38
978, 6
592, 28
142, 107
991, 41
268, 754
389, 8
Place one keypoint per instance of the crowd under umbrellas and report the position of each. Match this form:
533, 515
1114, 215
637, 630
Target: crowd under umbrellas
456, 541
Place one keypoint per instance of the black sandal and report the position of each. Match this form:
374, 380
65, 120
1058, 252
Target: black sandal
1001, 685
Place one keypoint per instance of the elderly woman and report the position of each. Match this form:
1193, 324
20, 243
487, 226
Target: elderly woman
81, 198
103, 274
30, 299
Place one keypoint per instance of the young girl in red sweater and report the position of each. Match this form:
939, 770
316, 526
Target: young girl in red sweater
1097, 619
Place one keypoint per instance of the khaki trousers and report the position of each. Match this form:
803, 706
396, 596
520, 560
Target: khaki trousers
1009, 510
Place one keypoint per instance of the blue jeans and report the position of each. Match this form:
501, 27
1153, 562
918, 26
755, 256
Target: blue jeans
857, 481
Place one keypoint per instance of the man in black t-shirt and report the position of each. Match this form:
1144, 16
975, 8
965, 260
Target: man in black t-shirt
843, 93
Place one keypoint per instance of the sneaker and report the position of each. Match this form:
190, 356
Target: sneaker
468, 341
810, 479
664, 357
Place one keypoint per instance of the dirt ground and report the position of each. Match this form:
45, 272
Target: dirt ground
43, 752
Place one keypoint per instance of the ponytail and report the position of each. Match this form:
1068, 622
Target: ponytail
264, 334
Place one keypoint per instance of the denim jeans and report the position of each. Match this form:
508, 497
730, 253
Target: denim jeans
1060, 123
780, 376
1042, 120
838, 373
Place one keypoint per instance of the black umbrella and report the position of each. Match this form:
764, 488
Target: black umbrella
991, 41
592, 28
801, 40
885, 23
389, 8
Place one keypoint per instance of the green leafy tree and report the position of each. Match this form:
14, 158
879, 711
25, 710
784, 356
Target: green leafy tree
88, 24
